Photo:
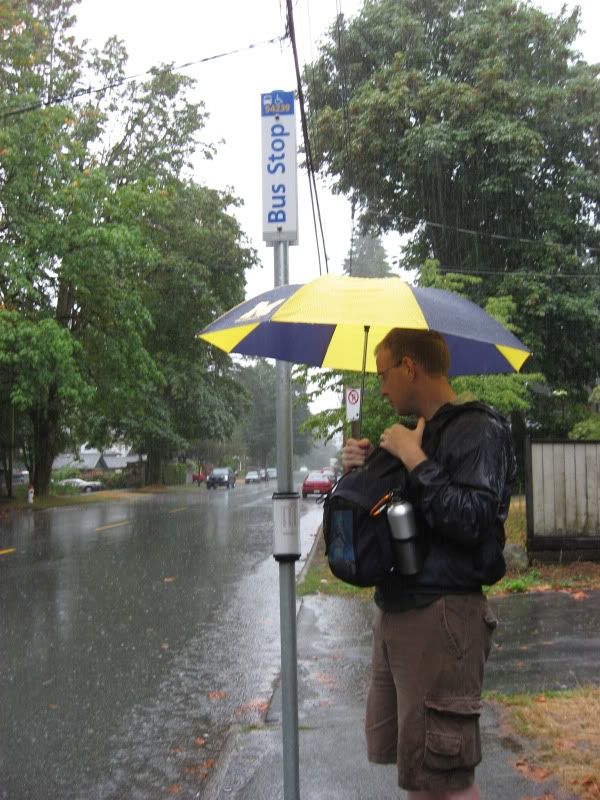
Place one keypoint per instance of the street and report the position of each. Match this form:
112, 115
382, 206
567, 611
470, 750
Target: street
133, 634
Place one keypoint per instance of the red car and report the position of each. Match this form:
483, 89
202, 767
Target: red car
316, 483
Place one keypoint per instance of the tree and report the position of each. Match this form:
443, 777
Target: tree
471, 125
367, 258
96, 226
200, 274
259, 427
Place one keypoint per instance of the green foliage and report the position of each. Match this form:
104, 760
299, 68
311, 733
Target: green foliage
471, 126
115, 480
376, 414
587, 429
42, 361
367, 258
175, 474
259, 425
523, 583
111, 259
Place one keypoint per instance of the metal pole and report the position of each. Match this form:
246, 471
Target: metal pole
362, 385
286, 551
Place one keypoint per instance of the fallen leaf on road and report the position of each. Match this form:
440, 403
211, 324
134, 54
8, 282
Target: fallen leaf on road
325, 679
195, 769
174, 788
589, 781
537, 773
217, 695
566, 744
256, 705
169, 579
541, 797
579, 595
199, 741
52, 706
164, 645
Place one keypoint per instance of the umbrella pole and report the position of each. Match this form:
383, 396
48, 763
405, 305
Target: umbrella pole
362, 384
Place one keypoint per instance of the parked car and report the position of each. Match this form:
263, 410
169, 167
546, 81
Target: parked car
252, 476
262, 474
316, 483
198, 477
83, 486
271, 473
221, 476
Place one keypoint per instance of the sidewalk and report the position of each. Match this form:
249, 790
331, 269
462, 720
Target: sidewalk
544, 641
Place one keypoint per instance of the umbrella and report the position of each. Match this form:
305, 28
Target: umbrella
325, 323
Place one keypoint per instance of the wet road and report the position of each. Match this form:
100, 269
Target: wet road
132, 635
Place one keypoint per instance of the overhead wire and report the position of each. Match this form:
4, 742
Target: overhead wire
346, 119
486, 234
314, 135
90, 90
550, 276
291, 30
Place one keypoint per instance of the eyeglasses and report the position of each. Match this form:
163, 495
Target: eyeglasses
381, 375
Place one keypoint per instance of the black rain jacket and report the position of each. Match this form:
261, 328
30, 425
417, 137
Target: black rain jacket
461, 495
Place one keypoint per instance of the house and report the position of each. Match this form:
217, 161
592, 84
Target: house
89, 459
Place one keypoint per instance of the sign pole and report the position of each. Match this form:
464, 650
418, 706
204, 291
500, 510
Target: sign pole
280, 229
286, 501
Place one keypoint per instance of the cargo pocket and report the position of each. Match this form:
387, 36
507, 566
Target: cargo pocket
452, 738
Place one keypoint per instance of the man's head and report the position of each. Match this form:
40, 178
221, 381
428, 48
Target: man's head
413, 366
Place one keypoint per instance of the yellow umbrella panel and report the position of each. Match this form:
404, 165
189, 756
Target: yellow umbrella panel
322, 324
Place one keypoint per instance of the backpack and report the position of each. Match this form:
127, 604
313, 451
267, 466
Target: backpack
358, 544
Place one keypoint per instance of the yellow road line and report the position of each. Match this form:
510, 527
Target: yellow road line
175, 510
7, 551
114, 525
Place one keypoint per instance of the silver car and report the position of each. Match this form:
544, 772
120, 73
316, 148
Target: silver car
83, 486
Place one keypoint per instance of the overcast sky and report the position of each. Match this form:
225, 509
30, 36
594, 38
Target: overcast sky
180, 31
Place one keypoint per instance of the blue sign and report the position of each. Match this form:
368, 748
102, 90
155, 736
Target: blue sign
277, 103
279, 169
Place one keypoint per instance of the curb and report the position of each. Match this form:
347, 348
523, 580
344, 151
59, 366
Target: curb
309, 558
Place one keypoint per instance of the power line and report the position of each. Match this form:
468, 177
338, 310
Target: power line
309, 158
518, 274
13, 112
485, 234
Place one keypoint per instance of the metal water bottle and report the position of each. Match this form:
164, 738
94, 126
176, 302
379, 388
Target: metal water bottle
409, 551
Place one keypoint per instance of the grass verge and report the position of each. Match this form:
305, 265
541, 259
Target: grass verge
563, 737
71, 497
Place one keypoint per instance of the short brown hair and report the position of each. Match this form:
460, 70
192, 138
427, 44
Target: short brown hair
427, 348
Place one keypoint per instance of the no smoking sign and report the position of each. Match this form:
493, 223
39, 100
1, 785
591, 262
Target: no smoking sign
352, 404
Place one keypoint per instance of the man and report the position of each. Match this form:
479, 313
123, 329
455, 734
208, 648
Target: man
432, 632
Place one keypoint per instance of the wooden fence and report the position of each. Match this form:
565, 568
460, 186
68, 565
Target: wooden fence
562, 485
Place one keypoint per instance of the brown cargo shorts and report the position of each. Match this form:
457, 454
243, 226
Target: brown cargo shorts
424, 696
